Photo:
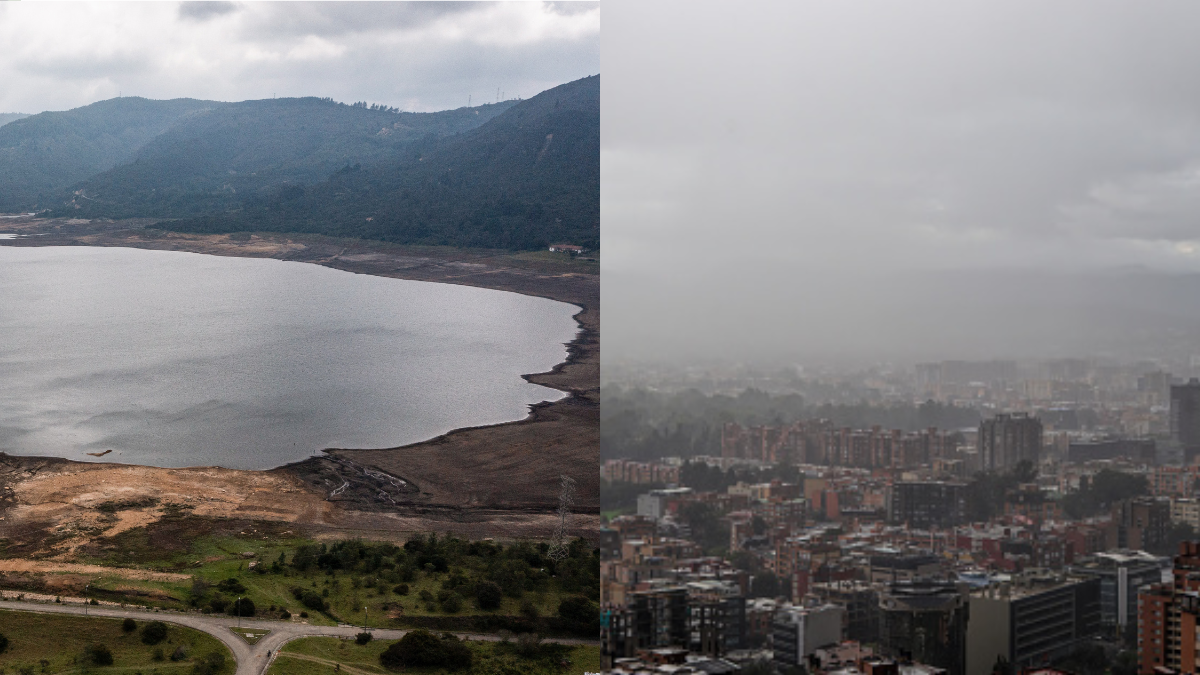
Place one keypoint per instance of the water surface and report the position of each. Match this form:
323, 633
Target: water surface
182, 359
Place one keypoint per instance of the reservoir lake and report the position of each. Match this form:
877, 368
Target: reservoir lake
181, 359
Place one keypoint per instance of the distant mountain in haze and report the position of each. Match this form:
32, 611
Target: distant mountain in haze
529, 177
42, 155
5, 118
218, 157
507, 175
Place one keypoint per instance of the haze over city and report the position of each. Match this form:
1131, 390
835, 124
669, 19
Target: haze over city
831, 182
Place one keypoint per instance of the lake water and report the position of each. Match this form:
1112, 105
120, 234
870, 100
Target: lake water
181, 359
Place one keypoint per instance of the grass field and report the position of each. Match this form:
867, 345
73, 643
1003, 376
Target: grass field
321, 655
51, 643
216, 558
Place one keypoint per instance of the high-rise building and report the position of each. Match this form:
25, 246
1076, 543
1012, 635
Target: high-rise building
925, 622
1140, 523
1167, 618
797, 632
927, 504
1008, 439
716, 617
1122, 574
654, 618
1030, 622
1185, 416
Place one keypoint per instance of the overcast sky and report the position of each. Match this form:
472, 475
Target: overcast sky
415, 56
760, 160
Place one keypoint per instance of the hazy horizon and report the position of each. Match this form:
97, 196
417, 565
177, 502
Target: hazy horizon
926, 181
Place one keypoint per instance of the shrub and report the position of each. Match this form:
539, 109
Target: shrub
303, 615
488, 595
179, 654
420, 648
363, 638
241, 607
529, 610
3, 643
211, 664
528, 644
128, 625
154, 632
285, 614
97, 655
218, 603
158, 654
231, 586
94, 601
425, 595
314, 601
402, 589
452, 603
579, 613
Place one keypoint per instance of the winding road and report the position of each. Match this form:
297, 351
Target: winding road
251, 659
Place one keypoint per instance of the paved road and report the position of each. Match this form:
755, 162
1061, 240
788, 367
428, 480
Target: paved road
251, 659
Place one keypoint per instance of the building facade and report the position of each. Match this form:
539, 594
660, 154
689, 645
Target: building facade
1008, 439
1031, 622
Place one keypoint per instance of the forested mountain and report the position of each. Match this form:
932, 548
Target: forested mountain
223, 155
512, 175
5, 118
43, 154
529, 177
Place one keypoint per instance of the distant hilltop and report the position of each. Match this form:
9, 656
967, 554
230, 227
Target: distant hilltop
514, 174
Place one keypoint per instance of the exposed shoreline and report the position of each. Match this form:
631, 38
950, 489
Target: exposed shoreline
490, 480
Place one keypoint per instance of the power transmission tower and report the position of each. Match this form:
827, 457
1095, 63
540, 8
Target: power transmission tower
560, 549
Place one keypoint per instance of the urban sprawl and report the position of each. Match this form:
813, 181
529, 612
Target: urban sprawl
1059, 535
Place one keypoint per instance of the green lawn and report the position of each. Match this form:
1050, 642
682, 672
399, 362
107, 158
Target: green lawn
52, 643
320, 655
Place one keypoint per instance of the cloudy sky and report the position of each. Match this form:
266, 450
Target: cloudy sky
773, 169
415, 56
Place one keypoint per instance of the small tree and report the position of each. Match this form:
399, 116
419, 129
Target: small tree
97, 655
401, 589
579, 613
488, 595
128, 625
154, 632
363, 638
452, 603
241, 607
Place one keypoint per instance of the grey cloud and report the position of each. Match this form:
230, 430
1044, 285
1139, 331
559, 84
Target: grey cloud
326, 19
204, 10
571, 7
778, 149
83, 66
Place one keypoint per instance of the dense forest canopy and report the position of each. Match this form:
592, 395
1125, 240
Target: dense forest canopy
515, 175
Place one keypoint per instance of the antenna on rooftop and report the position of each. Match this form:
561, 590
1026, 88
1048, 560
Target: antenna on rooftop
468, 100
497, 94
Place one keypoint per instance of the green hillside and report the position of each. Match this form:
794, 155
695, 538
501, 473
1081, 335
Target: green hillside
43, 154
5, 118
220, 157
529, 177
